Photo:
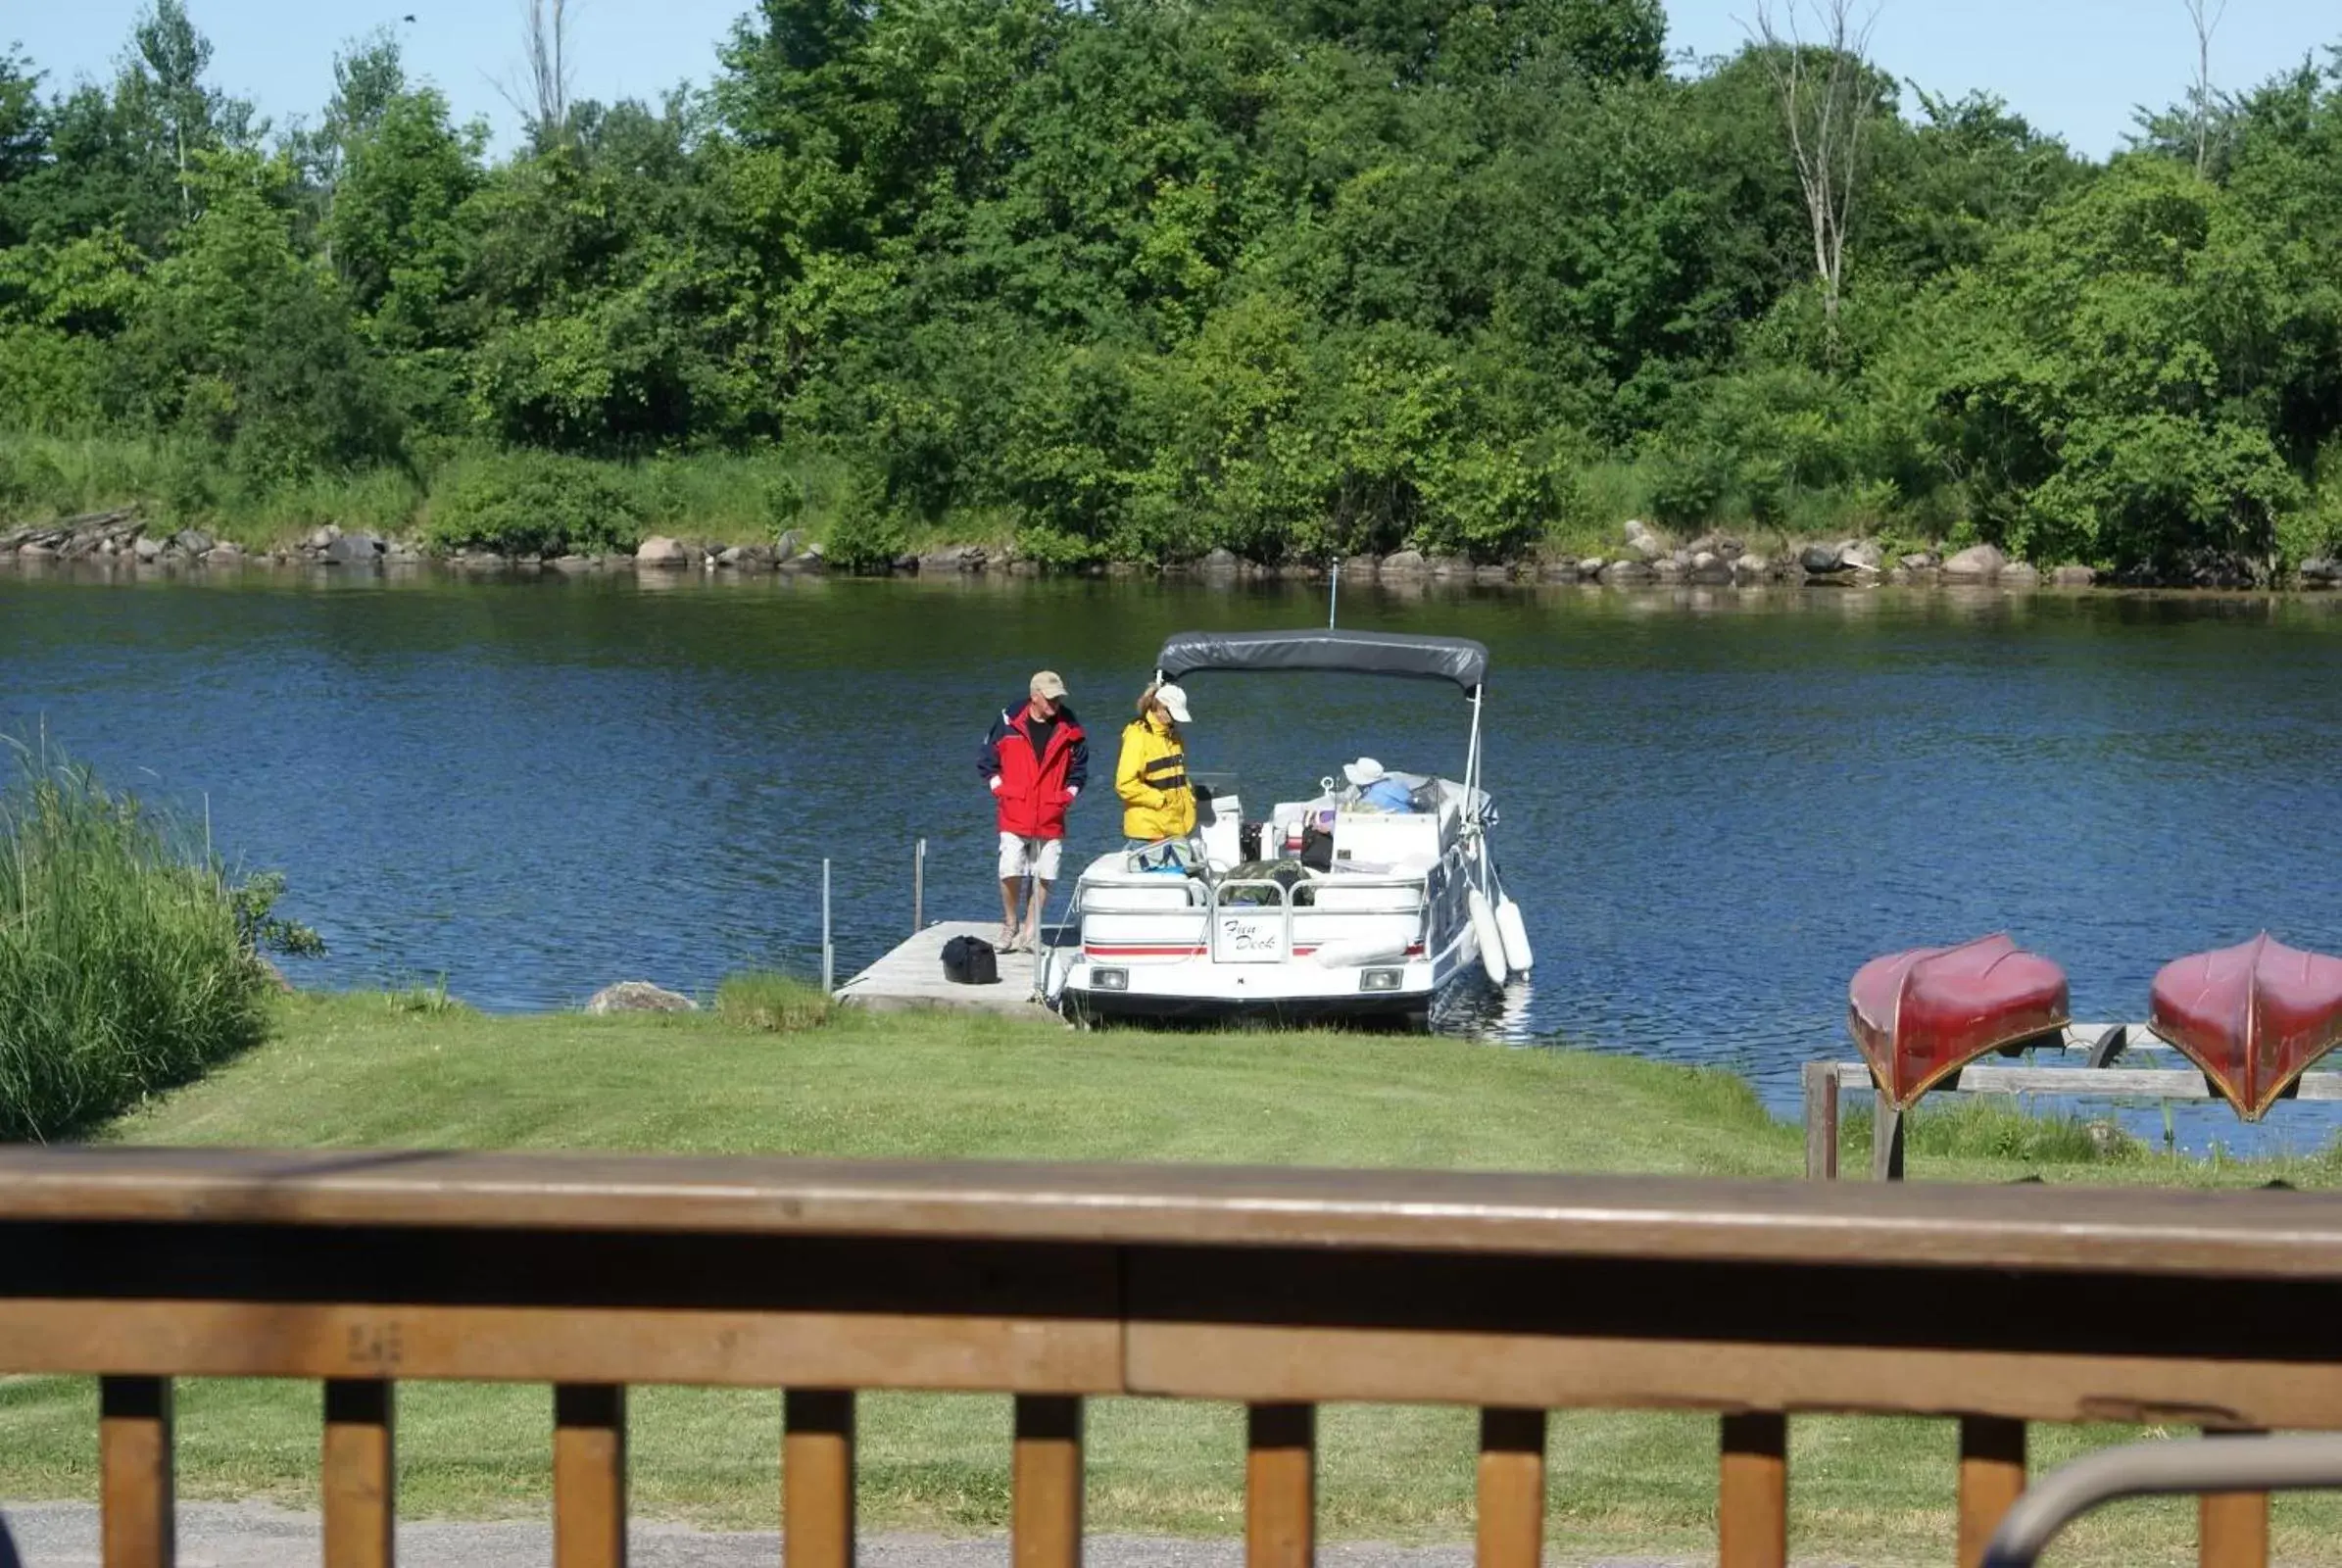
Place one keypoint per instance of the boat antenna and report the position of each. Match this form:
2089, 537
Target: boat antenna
1334, 594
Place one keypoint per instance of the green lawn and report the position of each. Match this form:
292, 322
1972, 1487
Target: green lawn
376, 1071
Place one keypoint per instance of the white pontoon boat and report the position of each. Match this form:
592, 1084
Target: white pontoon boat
1323, 908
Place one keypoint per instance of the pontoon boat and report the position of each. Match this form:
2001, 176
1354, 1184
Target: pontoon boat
1324, 908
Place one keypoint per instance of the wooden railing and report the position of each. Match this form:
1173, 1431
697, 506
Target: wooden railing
1283, 1289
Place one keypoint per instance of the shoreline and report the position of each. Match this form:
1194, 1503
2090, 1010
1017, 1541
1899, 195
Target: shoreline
122, 539
220, 566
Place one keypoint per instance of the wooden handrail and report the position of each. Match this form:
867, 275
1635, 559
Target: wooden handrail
1279, 1289
2274, 1235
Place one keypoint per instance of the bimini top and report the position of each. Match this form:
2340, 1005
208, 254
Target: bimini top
1362, 653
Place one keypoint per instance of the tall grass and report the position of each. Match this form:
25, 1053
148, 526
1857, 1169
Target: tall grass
778, 1004
1980, 1127
125, 967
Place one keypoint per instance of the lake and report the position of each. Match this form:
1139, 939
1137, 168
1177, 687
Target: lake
1715, 804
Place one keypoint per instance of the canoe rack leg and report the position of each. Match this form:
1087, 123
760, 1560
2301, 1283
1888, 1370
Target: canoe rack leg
1886, 1140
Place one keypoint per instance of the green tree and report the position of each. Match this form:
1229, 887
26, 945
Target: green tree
163, 88
401, 241
23, 139
241, 343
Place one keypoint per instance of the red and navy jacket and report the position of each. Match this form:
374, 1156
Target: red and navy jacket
1035, 786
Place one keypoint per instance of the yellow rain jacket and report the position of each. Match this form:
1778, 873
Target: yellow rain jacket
1152, 780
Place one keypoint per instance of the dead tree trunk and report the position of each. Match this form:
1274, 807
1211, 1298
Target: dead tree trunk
539, 91
2207, 21
1827, 104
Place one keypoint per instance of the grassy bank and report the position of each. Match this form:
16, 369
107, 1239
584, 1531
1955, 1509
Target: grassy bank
410, 1071
531, 504
449, 498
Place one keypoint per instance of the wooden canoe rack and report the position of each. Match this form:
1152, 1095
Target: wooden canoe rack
2232, 1528
1281, 1289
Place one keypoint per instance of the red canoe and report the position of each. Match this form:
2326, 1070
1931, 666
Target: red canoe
1920, 1017
2253, 1017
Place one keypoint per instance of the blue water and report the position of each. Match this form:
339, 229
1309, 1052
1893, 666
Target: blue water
1716, 805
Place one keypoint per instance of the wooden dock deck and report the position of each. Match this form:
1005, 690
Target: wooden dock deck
912, 976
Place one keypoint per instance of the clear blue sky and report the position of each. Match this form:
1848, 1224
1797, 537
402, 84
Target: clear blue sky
2072, 67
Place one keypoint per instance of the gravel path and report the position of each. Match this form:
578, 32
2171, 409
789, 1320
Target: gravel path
256, 1535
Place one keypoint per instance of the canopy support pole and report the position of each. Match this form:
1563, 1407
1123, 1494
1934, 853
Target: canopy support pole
1472, 785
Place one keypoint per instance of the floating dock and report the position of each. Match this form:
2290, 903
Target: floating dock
912, 976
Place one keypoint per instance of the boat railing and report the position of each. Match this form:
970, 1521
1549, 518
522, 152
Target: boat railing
1286, 905
1281, 1289
1228, 924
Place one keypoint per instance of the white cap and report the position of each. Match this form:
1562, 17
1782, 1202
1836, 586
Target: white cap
1362, 772
1174, 700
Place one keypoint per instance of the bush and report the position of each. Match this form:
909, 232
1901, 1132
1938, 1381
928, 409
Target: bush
536, 504
778, 1002
871, 530
128, 961
1685, 487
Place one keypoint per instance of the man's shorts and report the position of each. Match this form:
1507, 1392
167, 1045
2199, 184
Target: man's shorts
1034, 857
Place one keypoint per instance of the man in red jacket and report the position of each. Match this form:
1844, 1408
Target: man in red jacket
1035, 761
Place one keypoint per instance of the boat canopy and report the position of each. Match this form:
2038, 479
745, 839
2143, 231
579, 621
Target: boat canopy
1363, 653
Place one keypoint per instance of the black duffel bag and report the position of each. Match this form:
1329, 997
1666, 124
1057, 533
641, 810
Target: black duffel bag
971, 961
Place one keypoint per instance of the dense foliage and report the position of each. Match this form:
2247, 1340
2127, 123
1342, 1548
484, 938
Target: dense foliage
1138, 279
128, 961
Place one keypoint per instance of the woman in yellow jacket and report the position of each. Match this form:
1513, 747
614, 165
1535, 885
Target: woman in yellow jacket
1157, 801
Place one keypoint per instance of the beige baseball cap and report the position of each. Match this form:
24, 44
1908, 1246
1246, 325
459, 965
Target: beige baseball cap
1049, 684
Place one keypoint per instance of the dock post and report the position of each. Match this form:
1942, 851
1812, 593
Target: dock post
918, 889
829, 953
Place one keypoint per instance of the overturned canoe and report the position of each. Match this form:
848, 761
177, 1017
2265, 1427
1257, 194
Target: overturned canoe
2253, 1017
1920, 1017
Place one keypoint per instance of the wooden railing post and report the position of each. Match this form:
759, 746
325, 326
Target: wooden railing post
1046, 1484
589, 1475
359, 1474
1512, 1489
2232, 1527
1991, 1477
1821, 1122
1753, 1492
136, 1525
1281, 1485
817, 1479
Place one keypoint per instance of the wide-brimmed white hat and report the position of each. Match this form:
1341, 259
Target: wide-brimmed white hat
1174, 700
1362, 772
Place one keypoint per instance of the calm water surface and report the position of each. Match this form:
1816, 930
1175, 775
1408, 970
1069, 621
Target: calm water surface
1714, 805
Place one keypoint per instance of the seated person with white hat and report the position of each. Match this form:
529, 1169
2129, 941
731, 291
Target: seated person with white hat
1377, 791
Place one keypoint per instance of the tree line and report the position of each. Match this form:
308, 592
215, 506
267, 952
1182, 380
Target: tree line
1137, 279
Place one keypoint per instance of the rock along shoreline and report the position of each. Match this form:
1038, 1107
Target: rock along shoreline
1717, 560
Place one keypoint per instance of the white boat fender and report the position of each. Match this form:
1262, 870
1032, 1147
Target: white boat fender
1492, 939
1358, 954
1515, 932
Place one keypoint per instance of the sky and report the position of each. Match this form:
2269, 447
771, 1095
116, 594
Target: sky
2074, 68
